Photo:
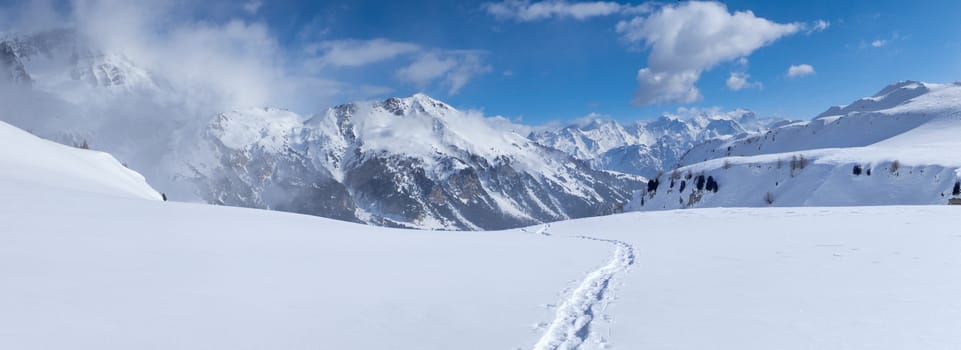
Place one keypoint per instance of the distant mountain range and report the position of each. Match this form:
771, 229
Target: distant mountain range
649, 147
421, 163
410, 162
899, 146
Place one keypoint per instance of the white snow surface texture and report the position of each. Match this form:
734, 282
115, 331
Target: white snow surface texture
90, 259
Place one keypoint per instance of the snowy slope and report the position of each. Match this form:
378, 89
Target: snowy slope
117, 269
29, 161
780, 278
648, 147
408, 162
903, 140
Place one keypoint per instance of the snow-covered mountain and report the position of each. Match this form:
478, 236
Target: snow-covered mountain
63, 59
410, 162
898, 146
647, 148
11, 67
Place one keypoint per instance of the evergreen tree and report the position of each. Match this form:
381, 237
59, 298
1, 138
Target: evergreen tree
711, 184
652, 185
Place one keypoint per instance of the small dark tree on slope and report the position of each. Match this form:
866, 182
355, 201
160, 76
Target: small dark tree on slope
857, 170
683, 185
711, 184
957, 188
769, 198
699, 183
798, 162
652, 185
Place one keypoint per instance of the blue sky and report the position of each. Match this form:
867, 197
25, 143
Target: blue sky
541, 61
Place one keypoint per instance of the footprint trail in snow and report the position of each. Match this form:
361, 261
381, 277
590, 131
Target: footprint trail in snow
571, 325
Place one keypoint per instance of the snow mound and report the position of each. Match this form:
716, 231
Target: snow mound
29, 160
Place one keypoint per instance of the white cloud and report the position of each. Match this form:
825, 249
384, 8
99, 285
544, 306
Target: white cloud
253, 6
882, 42
737, 81
421, 66
818, 26
687, 39
356, 53
800, 70
233, 63
527, 11
426, 68
658, 87
454, 69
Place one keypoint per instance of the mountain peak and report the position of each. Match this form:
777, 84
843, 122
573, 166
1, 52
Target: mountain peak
416, 103
901, 85
890, 96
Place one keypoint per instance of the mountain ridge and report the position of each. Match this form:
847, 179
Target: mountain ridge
409, 162
894, 147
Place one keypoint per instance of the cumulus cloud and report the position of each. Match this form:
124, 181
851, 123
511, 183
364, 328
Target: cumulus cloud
879, 43
675, 86
738, 81
356, 53
800, 70
453, 69
527, 11
689, 38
